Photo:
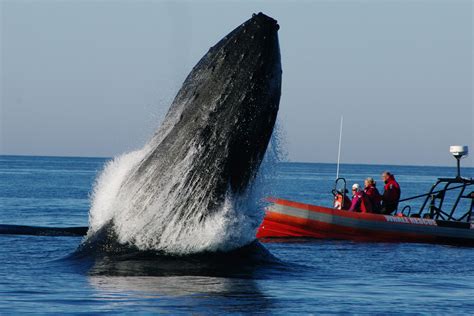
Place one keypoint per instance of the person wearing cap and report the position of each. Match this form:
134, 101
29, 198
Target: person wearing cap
391, 194
373, 194
360, 202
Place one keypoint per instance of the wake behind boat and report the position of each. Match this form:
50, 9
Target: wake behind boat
434, 222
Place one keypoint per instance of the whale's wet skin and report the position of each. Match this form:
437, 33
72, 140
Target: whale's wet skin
189, 193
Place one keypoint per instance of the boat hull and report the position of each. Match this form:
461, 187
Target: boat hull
286, 219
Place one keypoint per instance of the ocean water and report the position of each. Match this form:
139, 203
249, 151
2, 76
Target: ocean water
37, 274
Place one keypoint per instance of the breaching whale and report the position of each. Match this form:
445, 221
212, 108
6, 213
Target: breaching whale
181, 192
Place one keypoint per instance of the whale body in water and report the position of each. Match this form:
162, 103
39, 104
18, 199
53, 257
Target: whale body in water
187, 190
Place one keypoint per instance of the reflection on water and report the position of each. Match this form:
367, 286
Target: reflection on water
172, 285
208, 293
225, 282
217, 282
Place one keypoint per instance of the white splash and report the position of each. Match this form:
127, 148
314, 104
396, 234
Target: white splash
107, 187
157, 227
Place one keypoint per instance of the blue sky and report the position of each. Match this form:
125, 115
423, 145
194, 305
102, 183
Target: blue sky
94, 78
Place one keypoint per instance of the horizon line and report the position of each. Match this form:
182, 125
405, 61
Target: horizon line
288, 161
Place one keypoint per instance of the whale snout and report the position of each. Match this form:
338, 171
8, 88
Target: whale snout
265, 19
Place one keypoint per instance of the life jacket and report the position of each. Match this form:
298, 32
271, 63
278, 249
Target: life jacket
391, 194
361, 203
374, 196
365, 204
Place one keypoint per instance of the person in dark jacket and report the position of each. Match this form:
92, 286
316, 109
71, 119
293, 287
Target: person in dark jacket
373, 194
391, 194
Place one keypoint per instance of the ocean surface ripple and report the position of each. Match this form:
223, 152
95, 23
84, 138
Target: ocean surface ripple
308, 276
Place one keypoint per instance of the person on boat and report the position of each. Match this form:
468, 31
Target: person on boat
341, 200
391, 194
373, 194
360, 201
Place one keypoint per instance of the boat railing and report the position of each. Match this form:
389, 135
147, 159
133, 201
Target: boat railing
432, 206
406, 207
343, 192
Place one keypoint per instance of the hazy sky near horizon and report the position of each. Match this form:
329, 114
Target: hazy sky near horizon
95, 78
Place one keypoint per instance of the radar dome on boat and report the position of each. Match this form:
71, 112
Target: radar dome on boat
459, 151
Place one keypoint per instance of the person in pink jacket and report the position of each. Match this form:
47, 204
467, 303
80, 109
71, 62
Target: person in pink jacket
360, 201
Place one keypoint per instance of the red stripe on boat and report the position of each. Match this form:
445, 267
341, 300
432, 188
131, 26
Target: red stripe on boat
286, 218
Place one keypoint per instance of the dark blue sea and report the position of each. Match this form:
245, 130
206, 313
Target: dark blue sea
311, 277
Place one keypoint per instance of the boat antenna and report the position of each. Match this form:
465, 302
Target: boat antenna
339, 150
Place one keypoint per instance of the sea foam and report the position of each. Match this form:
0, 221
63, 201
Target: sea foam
231, 226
